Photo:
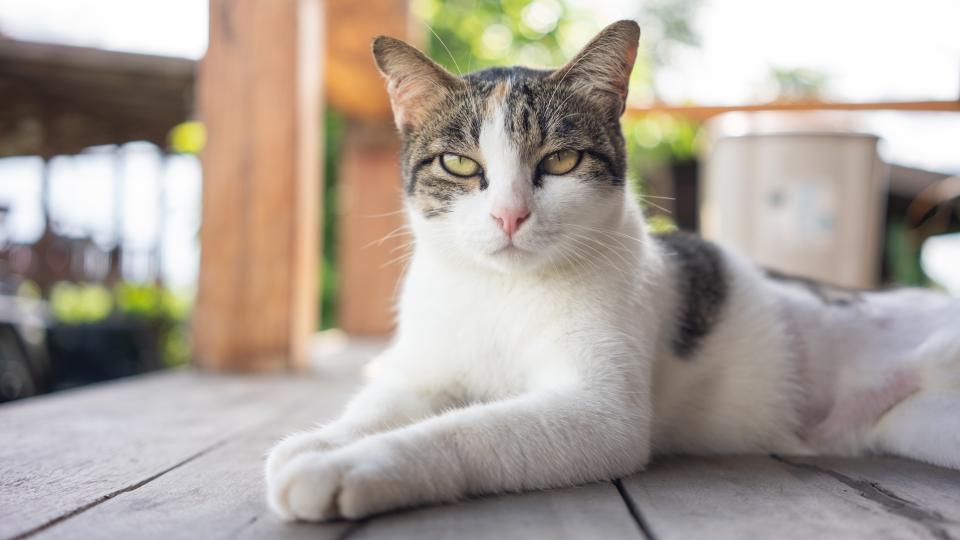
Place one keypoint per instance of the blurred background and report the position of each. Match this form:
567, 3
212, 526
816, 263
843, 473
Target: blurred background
821, 138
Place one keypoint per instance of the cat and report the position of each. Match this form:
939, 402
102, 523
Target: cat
545, 338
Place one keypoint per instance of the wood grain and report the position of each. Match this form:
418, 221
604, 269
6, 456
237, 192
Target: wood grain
220, 494
924, 492
259, 94
760, 497
180, 455
71, 450
592, 511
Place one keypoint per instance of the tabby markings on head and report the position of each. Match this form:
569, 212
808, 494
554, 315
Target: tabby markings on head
575, 107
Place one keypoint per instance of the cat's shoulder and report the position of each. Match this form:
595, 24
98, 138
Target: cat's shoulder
702, 278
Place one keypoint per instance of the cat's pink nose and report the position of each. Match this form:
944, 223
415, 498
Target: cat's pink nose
510, 219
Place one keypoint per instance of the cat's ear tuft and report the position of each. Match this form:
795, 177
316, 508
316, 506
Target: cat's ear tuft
414, 82
603, 66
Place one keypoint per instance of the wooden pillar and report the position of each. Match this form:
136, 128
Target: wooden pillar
370, 191
259, 98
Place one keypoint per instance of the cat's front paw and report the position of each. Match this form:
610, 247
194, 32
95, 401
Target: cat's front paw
297, 444
350, 483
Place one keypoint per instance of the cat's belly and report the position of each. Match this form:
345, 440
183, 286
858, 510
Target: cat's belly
860, 355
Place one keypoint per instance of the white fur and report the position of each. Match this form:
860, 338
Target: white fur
548, 362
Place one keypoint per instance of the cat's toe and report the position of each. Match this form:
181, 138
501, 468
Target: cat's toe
307, 489
360, 497
314, 499
295, 445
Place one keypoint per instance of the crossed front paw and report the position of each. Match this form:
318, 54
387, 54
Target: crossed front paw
351, 483
298, 444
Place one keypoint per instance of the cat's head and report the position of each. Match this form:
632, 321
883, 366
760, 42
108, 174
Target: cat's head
512, 167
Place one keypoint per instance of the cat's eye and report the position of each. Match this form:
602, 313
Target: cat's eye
561, 162
459, 165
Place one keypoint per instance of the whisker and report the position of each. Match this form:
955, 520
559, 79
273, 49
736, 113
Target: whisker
399, 231
587, 245
658, 207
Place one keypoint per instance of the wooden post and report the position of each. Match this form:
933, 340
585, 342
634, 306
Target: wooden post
370, 191
259, 98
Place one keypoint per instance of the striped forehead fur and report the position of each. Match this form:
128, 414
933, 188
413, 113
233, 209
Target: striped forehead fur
540, 116
576, 107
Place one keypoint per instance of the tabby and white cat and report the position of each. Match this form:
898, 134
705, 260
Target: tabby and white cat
546, 339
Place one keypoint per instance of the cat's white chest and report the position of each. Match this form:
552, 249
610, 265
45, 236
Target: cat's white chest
487, 337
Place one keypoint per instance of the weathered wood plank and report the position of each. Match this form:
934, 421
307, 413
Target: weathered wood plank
760, 497
220, 494
916, 489
592, 511
72, 450
180, 455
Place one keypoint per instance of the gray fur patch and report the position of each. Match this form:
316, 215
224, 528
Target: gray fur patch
703, 287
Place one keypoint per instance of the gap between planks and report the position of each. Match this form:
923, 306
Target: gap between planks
291, 405
634, 510
96, 502
892, 503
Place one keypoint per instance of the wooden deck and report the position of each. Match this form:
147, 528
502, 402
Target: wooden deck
179, 455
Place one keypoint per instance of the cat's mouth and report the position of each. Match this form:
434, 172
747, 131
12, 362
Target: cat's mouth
509, 249
510, 252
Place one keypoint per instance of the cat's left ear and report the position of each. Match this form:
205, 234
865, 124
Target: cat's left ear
415, 83
603, 67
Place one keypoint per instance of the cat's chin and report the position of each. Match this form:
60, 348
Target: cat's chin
512, 259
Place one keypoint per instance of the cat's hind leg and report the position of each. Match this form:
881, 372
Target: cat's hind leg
926, 425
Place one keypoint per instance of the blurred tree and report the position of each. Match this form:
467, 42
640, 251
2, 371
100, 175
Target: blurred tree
333, 139
798, 84
466, 35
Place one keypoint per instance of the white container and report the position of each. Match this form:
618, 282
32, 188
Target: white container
800, 193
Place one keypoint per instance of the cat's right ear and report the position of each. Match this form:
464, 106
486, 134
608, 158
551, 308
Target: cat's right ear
415, 83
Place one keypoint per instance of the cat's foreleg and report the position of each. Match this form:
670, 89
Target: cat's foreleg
385, 403
538, 440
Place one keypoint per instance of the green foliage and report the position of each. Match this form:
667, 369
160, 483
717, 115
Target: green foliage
29, 289
656, 141
466, 35
333, 138
903, 257
799, 83
80, 303
160, 307
151, 302
661, 224
188, 137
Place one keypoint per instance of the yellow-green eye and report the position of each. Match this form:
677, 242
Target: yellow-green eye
560, 162
459, 165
